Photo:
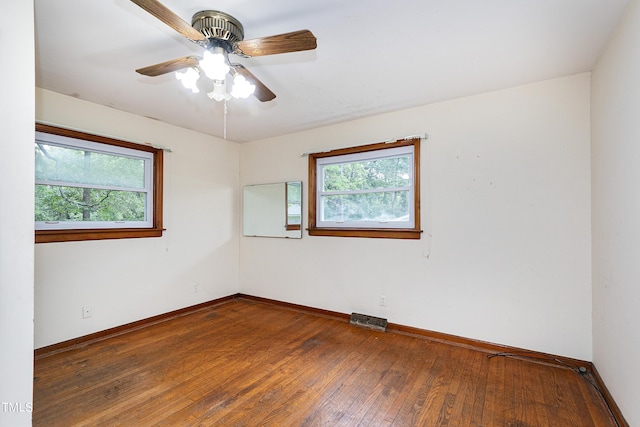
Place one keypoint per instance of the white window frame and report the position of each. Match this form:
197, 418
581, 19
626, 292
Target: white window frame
385, 153
96, 147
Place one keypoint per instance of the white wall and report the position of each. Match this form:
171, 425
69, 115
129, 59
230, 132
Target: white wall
616, 215
131, 279
505, 256
16, 213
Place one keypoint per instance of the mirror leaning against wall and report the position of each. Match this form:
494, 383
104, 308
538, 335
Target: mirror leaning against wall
272, 210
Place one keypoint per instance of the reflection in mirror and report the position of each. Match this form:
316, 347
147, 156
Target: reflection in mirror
272, 210
294, 205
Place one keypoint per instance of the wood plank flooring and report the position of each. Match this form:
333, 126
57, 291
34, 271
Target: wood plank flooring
246, 363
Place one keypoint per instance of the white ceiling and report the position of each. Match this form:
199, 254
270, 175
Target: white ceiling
373, 56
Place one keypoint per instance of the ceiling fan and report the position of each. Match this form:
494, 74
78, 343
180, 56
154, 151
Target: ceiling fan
221, 34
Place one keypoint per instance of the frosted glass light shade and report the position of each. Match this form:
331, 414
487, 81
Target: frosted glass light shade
189, 79
241, 87
219, 92
214, 65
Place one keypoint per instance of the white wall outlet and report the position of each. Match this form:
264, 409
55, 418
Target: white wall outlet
196, 288
87, 311
383, 300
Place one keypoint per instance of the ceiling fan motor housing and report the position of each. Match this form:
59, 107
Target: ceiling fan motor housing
218, 25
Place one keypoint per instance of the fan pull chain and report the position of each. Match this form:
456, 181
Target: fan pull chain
225, 120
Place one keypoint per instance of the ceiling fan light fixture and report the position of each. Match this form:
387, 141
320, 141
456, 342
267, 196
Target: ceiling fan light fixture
220, 34
189, 78
241, 87
214, 64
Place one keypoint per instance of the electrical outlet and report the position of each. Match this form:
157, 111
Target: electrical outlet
383, 301
87, 311
195, 287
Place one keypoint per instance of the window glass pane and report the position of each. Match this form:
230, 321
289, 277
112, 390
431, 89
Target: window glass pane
369, 174
73, 165
377, 207
56, 203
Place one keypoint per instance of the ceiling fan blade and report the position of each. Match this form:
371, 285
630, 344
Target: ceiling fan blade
164, 14
169, 66
262, 92
282, 43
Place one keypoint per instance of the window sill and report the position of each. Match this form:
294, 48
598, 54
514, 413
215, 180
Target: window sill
379, 233
49, 236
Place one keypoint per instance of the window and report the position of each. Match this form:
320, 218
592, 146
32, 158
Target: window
367, 191
90, 187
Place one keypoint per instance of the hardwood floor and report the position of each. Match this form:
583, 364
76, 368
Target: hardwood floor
247, 363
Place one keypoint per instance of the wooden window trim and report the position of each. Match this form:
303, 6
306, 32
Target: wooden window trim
384, 233
72, 235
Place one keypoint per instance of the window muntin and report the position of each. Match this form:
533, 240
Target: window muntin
90, 187
367, 191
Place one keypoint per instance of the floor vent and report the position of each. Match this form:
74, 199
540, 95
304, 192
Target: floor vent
370, 322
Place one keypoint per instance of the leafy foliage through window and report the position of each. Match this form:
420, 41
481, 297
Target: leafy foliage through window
87, 182
366, 191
